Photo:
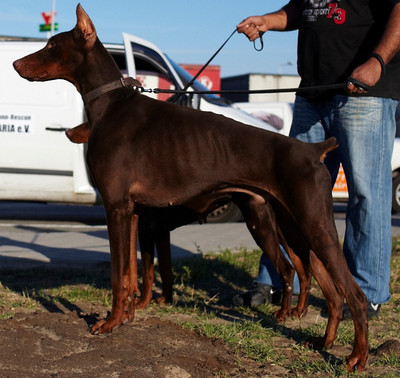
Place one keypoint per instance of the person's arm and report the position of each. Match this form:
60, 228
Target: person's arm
370, 72
285, 19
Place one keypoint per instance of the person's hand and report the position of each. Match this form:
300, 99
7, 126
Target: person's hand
252, 26
368, 73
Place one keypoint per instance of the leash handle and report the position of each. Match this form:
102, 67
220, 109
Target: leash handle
359, 84
260, 34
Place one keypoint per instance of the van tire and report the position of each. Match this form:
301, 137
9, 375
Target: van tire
396, 194
224, 214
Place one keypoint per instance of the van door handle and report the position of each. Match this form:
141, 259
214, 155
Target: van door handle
59, 129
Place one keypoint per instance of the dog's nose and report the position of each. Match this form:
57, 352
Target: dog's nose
17, 64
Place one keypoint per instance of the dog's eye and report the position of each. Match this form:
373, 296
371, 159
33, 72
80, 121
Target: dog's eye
51, 44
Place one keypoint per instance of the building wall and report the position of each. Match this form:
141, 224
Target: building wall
240, 82
259, 81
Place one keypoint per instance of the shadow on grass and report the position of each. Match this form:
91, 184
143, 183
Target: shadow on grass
37, 281
208, 283
34, 279
205, 283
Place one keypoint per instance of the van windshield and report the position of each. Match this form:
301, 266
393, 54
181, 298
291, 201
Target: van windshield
186, 77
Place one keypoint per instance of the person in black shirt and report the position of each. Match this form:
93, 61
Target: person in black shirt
355, 42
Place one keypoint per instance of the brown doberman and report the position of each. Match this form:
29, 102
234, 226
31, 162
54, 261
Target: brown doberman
155, 225
147, 153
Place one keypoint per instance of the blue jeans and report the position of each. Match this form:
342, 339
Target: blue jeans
268, 275
365, 130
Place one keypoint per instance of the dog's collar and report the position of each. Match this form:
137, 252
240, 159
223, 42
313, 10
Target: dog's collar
128, 82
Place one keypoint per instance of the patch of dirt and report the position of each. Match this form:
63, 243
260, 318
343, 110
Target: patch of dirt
58, 344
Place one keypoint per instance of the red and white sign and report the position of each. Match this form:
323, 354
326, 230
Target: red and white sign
210, 77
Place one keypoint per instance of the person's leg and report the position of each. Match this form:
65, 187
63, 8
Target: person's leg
267, 287
365, 128
311, 123
267, 274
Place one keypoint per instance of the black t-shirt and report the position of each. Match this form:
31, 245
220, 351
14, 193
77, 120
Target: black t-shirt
337, 36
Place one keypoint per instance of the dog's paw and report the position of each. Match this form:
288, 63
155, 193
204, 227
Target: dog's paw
141, 304
356, 362
280, 316
163, 299
296, 312
318, 343
108, 325
101, 327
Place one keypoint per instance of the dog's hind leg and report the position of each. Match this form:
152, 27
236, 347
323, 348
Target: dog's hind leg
333, 260
304, 276
334, 300
316, 222
261, 222
122, 230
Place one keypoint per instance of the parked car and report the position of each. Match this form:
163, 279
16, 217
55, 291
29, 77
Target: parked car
38, 162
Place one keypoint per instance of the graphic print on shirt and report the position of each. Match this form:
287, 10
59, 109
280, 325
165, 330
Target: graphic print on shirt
313, 9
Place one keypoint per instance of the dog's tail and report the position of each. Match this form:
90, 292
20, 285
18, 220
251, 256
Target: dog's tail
323, 148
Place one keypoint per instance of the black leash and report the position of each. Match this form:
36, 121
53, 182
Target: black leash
178, 93
245, 91
205, 65
190, 83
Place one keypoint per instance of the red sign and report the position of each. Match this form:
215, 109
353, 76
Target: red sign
48, 17
210, 77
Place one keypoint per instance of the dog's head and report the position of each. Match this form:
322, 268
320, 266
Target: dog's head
63, 54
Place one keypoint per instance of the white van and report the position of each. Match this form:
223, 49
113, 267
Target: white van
284, 113
37, 161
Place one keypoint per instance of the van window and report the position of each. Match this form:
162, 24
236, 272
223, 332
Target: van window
153, 75
119, 58
149, 72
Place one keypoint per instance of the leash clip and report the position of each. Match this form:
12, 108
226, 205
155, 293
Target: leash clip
260, 34
144, 90
122, 81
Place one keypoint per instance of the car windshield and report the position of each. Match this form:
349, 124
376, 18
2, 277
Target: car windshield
186, 77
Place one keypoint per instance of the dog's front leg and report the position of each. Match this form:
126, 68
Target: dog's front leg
122, 230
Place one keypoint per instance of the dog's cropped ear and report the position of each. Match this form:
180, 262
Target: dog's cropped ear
85, 25
79, 134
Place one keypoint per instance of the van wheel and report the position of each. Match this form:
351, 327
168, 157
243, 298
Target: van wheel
226, 213
396, 195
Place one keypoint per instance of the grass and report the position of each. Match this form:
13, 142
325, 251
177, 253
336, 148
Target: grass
204, 287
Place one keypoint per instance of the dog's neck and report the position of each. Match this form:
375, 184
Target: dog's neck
99, 69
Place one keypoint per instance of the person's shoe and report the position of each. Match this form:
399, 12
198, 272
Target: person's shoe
258, 294
372, 308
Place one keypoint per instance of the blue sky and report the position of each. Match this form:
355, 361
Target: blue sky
189, 31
